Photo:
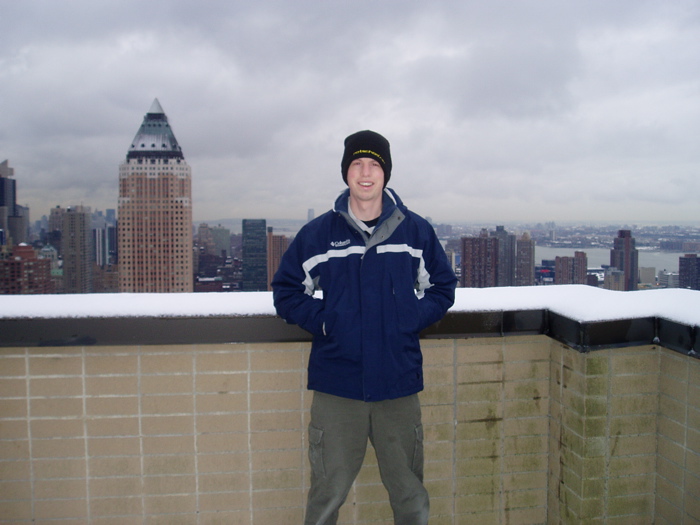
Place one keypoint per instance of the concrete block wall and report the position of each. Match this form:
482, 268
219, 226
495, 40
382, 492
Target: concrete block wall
678, 461
172, 434
501, 429
518, 429
603, 435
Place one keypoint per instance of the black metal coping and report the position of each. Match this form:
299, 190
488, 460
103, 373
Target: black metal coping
119, 331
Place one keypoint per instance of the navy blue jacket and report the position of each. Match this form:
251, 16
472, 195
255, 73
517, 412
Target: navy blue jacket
378, 293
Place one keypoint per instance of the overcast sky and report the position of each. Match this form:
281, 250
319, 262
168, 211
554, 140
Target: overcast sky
497, 111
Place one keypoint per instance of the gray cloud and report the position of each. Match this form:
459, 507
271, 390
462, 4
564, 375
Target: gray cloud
498, 111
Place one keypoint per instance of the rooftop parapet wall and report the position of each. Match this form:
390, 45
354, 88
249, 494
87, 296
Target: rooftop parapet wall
169, 425
518, 429
582, 317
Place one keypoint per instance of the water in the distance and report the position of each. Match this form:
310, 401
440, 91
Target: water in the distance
599, 256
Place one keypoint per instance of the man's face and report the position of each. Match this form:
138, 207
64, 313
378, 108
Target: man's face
366, 179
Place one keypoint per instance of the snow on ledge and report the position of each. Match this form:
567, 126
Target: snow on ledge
585, 303
576, 302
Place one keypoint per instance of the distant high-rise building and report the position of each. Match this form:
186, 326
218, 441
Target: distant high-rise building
479, 261
237, 246
689, 271
14, 219
625, 257
222, 240
19, 224
155, 211
525, 261
580, 268
571, 270
254, 255
98, 219
56, 218
8, 198
105, 272
563, 270
506, 257
276, 246
25, 273
205, 240
78, 255
105, 243
310, 215
8, 186
55, 224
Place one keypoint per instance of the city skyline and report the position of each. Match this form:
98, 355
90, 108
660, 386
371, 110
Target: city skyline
496, 112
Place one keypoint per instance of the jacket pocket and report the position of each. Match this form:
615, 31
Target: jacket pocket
406, 307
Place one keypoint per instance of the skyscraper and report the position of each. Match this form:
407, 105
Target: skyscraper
624, 257
8, 194
8, 187
78, 256
56, 218
276, 246
205, 240
222, 240
506, 256
571, 270
105, 243
254, 255
479, 261
53, 234
14, 219
580, 268
19, 224
525, 261
155, 211
563, 270
689, 271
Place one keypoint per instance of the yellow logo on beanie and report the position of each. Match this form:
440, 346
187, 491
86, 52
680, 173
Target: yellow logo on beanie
365, 151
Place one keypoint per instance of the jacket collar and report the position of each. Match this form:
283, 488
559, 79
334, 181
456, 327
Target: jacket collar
390, 201
392, 206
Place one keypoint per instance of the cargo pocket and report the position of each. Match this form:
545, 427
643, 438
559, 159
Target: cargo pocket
316, 451
417, 466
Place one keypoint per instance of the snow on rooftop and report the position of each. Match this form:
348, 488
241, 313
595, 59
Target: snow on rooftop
577, 302
585, 303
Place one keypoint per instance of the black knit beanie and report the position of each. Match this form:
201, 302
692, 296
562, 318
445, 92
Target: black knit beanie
367, 144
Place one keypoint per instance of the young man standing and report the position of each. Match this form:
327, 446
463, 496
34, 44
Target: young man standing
384, 277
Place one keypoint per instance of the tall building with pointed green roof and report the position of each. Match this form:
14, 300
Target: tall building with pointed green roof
155, 211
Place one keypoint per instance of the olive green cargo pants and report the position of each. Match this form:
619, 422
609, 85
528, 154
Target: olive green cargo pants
338, 435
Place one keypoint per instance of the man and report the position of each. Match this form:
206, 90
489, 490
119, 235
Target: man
384, 277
